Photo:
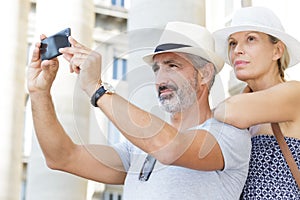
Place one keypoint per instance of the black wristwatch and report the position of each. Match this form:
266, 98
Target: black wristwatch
105, 88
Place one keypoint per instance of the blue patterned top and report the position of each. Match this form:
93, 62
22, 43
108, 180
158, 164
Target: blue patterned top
269, 175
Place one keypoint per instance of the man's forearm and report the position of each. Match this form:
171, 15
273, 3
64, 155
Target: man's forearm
159, 138
143, 129
136, 123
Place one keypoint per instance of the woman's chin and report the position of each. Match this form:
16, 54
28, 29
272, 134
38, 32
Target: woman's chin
242, 77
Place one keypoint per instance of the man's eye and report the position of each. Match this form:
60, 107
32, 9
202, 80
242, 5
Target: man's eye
172, 65
155, 68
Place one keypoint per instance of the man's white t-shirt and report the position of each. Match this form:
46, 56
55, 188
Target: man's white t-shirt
179, 183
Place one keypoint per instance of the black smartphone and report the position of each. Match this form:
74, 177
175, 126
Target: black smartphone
50, 45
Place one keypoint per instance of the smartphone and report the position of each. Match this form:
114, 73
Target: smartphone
50, 45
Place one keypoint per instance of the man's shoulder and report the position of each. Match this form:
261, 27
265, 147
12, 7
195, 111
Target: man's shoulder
225, 133
235, 143
213, 124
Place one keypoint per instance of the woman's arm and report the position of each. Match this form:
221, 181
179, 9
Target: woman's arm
277, 104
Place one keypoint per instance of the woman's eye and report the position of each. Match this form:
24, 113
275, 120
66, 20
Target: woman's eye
232, 43
251, 38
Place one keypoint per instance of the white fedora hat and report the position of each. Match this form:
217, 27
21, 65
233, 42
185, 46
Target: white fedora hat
182, 37
258, 19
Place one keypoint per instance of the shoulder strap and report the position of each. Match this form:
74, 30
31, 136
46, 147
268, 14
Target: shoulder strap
286, 152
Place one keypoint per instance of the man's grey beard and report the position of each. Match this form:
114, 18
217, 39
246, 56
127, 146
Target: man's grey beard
180, 99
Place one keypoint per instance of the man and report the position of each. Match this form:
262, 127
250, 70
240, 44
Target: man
209, 159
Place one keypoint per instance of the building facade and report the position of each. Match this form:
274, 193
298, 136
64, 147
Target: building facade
105, 25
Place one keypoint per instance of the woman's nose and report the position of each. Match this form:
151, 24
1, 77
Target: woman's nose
239, 49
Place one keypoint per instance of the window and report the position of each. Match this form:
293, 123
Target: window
119, 69
118, 3
23, 190
112, 195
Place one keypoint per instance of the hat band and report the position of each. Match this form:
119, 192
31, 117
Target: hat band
169, 46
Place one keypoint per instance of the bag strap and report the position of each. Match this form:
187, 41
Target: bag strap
286, 152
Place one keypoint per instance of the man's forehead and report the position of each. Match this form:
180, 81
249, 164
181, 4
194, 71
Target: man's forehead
168, 57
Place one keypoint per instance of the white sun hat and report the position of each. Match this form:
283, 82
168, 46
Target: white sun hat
182, 37
258, 19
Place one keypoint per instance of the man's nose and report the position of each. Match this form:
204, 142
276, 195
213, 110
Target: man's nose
161, 77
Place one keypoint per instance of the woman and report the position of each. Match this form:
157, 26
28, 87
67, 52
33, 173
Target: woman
259, 50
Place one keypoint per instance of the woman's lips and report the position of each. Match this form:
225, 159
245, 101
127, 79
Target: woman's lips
240, 63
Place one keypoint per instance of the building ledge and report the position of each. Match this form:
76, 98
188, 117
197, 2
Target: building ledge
114, 11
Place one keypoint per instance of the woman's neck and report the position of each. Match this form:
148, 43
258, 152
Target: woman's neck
262, 84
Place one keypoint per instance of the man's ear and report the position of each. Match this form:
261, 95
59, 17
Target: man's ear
207, 73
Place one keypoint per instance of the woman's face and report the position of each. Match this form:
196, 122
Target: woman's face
252, 55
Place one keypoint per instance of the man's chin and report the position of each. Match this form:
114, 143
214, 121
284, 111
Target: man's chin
166, 97
170, 108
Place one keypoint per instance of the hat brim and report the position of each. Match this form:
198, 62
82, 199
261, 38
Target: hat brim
210, 56
221, 41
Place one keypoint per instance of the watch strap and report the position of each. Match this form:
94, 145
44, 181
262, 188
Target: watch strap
99, 93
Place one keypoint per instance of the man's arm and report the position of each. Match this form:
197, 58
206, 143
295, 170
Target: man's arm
196, 149
215, 147
99, 163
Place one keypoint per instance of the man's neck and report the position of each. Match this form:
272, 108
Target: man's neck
193, 116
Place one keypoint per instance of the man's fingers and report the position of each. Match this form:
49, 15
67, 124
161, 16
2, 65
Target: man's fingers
68, 57
42, 36
50, 66
76, 63
36, 52
74, 42
74, 51
76, 48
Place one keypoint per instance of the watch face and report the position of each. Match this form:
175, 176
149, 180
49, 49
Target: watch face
108, 87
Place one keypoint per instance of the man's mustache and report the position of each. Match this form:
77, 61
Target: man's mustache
166, 87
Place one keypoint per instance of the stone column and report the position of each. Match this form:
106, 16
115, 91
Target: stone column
154, 13
13, 40
51, 17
